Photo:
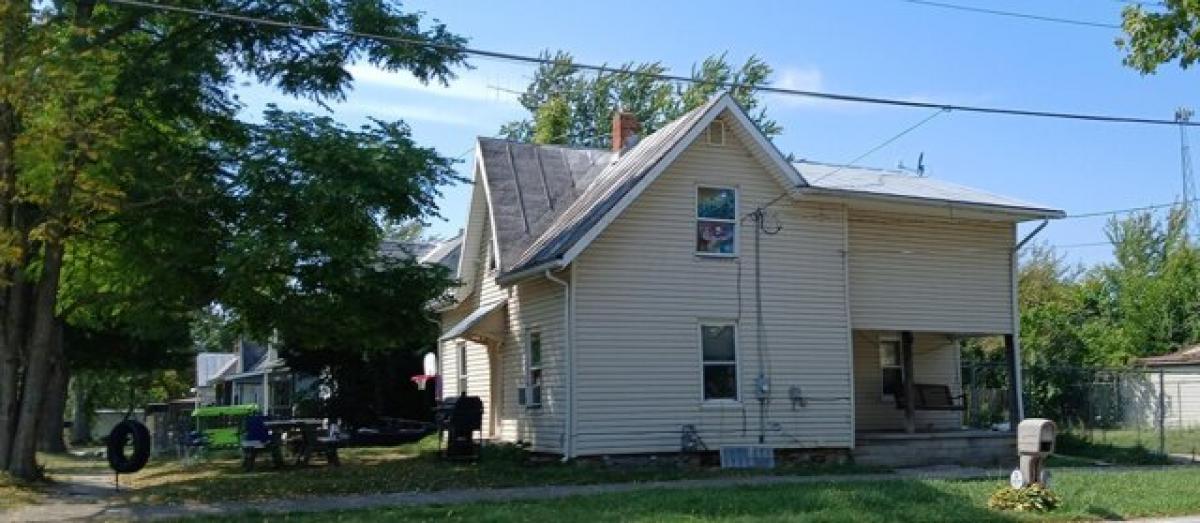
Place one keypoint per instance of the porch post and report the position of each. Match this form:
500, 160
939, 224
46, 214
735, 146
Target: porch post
910, 390
1014, 379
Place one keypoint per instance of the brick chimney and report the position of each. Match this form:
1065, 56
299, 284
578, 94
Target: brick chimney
625, 129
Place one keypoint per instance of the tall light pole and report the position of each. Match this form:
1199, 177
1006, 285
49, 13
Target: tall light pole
1184, 115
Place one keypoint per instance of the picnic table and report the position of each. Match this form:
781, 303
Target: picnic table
304, 437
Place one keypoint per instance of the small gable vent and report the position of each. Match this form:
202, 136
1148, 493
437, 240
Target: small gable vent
716, 133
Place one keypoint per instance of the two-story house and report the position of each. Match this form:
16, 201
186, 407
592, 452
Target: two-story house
693, 287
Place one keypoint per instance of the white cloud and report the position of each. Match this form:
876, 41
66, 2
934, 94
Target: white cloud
801, 79
425, 113
468, 86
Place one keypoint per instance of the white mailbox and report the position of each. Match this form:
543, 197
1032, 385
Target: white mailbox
1035, 437
1035, 443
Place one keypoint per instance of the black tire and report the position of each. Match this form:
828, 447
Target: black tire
128, 431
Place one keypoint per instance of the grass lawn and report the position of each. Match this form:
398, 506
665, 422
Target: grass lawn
13, 494
398, 469
1128, 446
1086, 496
1179, 441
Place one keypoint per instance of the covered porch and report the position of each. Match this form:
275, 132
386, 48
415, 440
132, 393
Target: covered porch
954, 415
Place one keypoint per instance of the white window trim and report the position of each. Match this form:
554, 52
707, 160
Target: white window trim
889, 338
529, 368
737, 228
461, 356
736, 400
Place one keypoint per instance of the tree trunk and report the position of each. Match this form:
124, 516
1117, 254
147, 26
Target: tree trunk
81, 418
39, 363
12, 298
55, 406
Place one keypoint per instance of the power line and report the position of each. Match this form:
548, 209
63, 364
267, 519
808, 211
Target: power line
1080, 245
882, 145
660, 76
1130, 209
1013, 14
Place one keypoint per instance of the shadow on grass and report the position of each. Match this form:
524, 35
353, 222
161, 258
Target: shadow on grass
866, 501
408, 469
1077, 445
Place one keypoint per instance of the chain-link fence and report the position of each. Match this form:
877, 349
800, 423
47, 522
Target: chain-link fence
1123, 415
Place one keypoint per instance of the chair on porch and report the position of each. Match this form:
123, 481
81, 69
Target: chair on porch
931, 397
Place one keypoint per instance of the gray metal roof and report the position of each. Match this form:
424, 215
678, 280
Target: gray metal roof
475, 318
445, 253
530, 186
1187, 356
892, 183
612, 184
545, 199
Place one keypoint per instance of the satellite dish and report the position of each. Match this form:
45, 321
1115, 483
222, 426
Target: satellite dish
430, 363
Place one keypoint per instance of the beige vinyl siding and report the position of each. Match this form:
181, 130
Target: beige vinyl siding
1182, 397
480, 373
536, 304
924, 274
496, 370
1181, 400
642, 293
935, 361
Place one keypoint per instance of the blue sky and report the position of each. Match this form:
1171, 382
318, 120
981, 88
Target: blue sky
885, 48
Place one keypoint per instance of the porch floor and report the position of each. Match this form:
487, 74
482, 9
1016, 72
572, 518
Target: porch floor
946, 447
891, 435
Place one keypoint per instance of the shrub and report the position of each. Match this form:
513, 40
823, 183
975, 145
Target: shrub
1034, 498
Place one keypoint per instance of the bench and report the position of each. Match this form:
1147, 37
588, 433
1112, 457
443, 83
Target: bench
931, 397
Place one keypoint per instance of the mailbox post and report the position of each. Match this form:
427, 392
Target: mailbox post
1035, 443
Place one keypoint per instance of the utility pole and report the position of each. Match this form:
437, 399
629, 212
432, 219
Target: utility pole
1183, 115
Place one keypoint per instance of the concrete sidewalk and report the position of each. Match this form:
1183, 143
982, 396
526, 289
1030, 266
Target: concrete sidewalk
67, 507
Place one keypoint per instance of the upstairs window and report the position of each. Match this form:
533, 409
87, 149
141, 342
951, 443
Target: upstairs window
716, 221
718, 353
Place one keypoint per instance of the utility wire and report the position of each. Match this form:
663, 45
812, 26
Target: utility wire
666, 77
757, 212
1013, 14
885, 143
1129, 210
1080, 245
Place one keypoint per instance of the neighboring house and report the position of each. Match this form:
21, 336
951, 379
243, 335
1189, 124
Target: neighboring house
610, 298
210, 366
254, 372
1179, 384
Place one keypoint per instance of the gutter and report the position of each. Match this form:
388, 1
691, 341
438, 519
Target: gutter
1016, 318
932, 202
568, 356
541, 268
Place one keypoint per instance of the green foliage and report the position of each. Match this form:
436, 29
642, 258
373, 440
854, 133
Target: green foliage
1034, 498
575, 107
1116, 450
1165, 33
1075, 322
122, 156
552, 122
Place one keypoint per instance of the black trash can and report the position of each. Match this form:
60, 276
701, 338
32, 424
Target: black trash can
460, 419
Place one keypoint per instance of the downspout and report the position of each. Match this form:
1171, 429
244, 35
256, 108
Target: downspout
569, 360
1018, 378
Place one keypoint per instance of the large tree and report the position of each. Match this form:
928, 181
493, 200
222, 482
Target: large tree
1159, 33
571, 106
120, 149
